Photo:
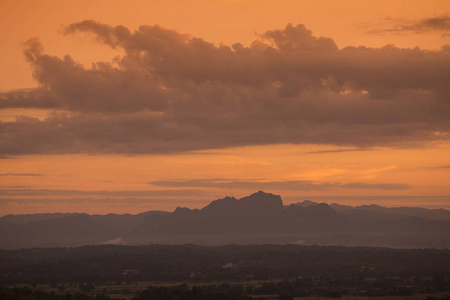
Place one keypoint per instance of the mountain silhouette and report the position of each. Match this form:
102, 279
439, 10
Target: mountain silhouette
255, 219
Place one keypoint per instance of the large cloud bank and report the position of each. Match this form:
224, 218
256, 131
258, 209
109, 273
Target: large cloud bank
171, 92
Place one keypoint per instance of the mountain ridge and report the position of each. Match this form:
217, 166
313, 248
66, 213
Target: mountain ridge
258, 218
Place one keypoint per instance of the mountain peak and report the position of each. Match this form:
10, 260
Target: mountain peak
306, 203
181, 210
261, 203
261, 196
257, 204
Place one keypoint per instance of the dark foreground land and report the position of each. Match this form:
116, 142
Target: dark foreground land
225, 272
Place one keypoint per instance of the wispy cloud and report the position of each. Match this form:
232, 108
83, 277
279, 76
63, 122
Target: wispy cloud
376, 186
105, 201
340, 150
297, 185
70, 193
440, 24
22, 174
441, 167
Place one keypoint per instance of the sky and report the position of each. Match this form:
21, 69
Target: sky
131, 106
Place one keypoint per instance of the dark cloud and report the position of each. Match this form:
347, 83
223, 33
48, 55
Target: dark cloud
170, 92
299, 38
299, 185
439, 24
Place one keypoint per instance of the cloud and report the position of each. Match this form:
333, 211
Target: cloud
340, 150
21, 174
62, 192
439, 24
380, 186
299, 38
102, 201
298, 185
171, 92
254, 185
441, 167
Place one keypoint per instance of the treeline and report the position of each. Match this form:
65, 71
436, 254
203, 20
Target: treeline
183, 292
190, 263
282, 290
285, 290
26, 293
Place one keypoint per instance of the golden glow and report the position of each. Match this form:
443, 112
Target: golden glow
419, 168
219, 21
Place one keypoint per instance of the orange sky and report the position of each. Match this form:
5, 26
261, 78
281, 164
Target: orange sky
411, 172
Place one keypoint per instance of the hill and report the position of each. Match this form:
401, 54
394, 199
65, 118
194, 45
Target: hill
259, 218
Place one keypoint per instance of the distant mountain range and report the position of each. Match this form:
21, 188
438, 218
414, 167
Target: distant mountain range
259, 218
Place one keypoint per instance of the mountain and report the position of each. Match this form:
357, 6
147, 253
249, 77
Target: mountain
65, 229
428, 214
306, 203
227, 220
259, 204
73, 230
259, 218
25, 219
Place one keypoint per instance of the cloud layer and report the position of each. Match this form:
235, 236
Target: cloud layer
171, 92
296, 185
439, 24
21, 174
126, 193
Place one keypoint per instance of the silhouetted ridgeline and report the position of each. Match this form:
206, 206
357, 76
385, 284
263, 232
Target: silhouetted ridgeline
259, 218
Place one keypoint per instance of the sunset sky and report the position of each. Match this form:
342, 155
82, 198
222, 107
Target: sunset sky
130, 106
